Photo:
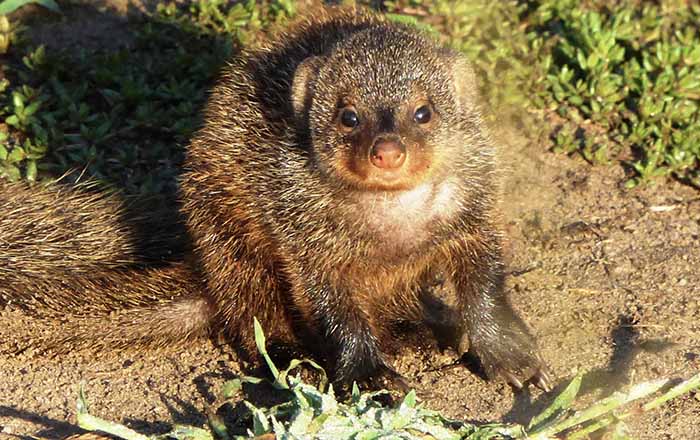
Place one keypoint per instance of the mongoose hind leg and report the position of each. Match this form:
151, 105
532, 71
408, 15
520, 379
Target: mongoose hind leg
243, 284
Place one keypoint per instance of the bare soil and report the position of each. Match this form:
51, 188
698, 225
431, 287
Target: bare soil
607, 278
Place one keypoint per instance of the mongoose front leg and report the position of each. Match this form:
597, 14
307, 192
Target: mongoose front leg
493, 331
350, 337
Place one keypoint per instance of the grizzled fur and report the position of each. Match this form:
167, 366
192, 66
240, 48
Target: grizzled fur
290, 223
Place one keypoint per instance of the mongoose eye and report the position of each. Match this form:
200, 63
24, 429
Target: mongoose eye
349, 118
423, 114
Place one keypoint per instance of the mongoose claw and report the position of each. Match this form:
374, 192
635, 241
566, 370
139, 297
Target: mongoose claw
517, 367
540, 378
512, 379
390, 380
543, 381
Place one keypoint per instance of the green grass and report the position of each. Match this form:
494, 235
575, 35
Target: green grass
123, 116
616, 83
313, 412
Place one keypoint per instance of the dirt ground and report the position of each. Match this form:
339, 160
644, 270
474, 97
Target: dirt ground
607, 278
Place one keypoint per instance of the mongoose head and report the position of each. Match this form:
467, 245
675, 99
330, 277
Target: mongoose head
386, 110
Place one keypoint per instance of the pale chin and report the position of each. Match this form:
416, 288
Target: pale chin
415, 198
428, 198
405, 219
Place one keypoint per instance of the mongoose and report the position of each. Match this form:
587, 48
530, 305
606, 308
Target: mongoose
343, 163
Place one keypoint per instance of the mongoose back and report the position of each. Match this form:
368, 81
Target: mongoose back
342, 165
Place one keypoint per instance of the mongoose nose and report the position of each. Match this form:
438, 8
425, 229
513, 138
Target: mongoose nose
388, 154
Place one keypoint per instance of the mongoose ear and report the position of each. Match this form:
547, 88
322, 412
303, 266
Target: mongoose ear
465, 81
303, 83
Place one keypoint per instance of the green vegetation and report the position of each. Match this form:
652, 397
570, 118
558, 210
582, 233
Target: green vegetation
122, 116
310, 412
8, 6
614, 82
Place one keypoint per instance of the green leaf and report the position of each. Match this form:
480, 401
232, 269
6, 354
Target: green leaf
231, 388
260, 344
91, 423
82, 403
189, 433
31, 171
282, 377
261, 425
602, 409
691, 384
355, 394
11, 172
302, 418
32, 108
12, 120
561, 403
8, 6
217, 424
410, 400
368, 434
16, 155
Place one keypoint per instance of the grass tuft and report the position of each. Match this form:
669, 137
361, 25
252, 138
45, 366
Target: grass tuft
313, 412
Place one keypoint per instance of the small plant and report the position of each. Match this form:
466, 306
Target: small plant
313, 412
9, 6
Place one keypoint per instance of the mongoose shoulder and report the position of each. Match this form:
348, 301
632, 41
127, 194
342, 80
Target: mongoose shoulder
342, 164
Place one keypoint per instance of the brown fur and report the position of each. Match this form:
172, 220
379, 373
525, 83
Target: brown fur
290, 223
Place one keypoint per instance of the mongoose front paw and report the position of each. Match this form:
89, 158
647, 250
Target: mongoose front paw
536, 375
513, 357
389, 379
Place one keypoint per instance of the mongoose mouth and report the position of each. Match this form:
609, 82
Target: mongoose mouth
387, 164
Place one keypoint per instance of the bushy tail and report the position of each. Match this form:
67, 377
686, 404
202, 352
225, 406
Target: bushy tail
103, 291
74, 256
162, 325
45, 228
75, 228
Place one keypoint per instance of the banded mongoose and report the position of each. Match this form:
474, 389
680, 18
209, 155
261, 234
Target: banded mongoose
343, 163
